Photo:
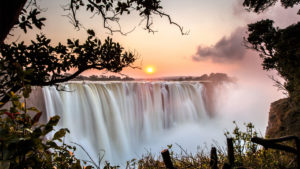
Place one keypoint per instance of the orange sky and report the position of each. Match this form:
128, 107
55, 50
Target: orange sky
171, 53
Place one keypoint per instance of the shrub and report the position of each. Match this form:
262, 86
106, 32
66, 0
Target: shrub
23, 143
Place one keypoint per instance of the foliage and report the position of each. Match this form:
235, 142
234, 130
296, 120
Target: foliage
26, 20
247, 154
109, 11
279, 48
23, 143
242, 142
26, 14
41, 64
261, 5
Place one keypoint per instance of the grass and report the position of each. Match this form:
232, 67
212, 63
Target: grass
247, 155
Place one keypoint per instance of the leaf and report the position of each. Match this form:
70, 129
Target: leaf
33, 109
49, 126
37, 117
91, 32
61, 133
12, 94
69, 42
37, 133
52, 144
77, 43
53, 121
27, 129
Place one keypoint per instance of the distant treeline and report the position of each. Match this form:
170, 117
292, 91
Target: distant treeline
102, 78
213, 77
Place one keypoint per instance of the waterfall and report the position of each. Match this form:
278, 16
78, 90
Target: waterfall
119, 117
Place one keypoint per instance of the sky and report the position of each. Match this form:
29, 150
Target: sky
214, 44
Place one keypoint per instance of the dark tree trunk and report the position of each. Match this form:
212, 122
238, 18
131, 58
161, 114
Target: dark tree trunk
9, 14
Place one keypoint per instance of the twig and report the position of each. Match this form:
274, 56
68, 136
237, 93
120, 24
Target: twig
279, 85
92, 161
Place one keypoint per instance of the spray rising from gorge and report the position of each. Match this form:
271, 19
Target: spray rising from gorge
125, 119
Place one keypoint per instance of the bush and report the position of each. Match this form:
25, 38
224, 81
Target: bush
247, 155
23, 143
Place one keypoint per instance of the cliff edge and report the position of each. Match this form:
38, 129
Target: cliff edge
283, 120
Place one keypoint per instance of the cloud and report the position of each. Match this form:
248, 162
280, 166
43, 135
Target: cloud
228, 49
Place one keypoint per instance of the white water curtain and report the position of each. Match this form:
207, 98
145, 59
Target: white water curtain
119, 117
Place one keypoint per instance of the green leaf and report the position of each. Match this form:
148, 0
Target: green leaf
61, 133
53, 121
37, 133
52, 144
49, 126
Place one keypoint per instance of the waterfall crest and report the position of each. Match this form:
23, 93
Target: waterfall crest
118, 117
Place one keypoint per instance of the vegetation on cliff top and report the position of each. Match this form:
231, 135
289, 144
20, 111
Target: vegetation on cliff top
279, 47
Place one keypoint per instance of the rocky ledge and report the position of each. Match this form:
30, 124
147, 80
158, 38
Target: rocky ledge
283, 120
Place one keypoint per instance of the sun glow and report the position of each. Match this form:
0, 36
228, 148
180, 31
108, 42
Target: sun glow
150, 70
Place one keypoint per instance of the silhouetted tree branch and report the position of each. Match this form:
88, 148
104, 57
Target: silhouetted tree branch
261, 5
41, 64
14, 12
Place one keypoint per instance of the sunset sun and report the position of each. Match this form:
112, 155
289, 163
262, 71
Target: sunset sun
150, 70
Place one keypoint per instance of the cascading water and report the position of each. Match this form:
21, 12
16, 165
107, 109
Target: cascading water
120, 117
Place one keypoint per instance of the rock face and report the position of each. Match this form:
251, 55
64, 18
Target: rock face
283, 120
209, 98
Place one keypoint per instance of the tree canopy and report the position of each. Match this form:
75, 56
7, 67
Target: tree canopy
279, 47
261, 5
40, 63
16, 13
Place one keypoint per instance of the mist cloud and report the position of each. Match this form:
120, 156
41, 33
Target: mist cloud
228, 49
